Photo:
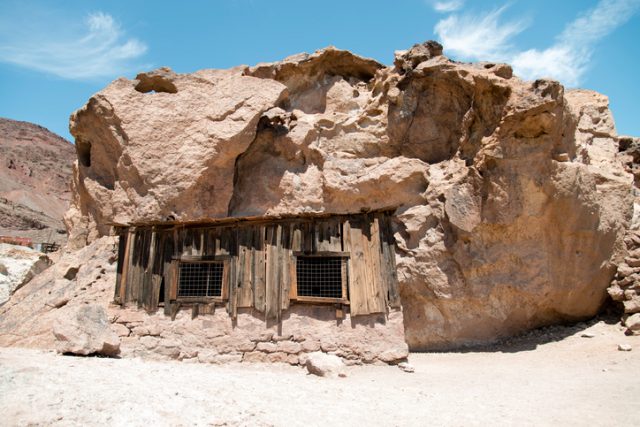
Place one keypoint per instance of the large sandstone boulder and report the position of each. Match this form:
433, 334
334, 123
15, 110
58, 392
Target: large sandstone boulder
86, 331
510, 198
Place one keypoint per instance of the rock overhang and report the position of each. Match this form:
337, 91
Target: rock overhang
491, 176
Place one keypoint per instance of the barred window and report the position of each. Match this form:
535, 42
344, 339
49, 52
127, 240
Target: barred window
200, 279
321, 277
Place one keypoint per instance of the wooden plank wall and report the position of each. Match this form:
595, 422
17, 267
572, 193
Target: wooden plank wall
261, 262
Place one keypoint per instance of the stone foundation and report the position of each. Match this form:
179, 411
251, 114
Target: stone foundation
216, 338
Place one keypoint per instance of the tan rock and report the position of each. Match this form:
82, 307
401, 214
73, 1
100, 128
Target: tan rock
86, 331
254, 357
632, 305
278, 357
120, 330
324, 365
267, 347
289, 347
633, 322
310, 346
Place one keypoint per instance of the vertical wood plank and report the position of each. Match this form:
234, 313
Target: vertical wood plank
232, 283
308, 237
149, 288
135, 276
126, 266
246, 255
344, 266
173, 280
156, 270
357, 271
177, 247
122, 243
296, 246
284, 264
377, 291
389, 261
144, 276
167, 271
187, 241
328, 236
272, 250
258, 273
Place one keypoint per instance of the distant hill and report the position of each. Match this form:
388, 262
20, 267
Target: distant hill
35, 172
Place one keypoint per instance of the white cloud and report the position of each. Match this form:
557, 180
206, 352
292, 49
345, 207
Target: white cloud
100, 49
478, 36
484, 37
447, 6
568, 59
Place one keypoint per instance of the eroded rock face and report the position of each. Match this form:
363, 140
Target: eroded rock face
18, 265
511, 199
625, 287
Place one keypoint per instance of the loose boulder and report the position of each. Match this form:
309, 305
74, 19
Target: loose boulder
86, 331
633, 323
325, 365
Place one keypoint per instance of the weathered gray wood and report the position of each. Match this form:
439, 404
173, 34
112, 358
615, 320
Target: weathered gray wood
376, 292
187, 241
233, 272
261, 261
207, 308
296, 247
122, 244
246, 251
144, 289
285, 258
173, 280
125, 267
147, 264
387, 242
156, 271
167, 272
357, 270
136, 271
259, 272
308, 237
327, 236
272, 250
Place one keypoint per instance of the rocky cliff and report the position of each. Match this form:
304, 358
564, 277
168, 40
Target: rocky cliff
35, 172
625, 287
510, 198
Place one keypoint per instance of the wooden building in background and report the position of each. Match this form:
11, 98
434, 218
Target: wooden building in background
263, 264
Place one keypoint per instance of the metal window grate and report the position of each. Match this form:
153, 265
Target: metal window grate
200, 279
319, 276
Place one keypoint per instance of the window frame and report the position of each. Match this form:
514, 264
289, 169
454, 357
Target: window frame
293, 294
190, 259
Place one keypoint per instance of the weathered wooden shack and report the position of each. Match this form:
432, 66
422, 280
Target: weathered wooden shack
262, 264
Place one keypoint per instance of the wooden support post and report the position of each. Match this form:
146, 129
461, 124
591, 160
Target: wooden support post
125, 266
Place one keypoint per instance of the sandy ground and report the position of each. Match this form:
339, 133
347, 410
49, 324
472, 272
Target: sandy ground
550, 377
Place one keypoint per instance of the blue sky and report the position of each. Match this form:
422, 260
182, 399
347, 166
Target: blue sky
54, 55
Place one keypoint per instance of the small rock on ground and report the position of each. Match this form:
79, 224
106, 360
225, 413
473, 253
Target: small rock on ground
406, 367
325, 365
624, 347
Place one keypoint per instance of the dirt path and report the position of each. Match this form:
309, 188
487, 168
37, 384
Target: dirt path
571, 381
